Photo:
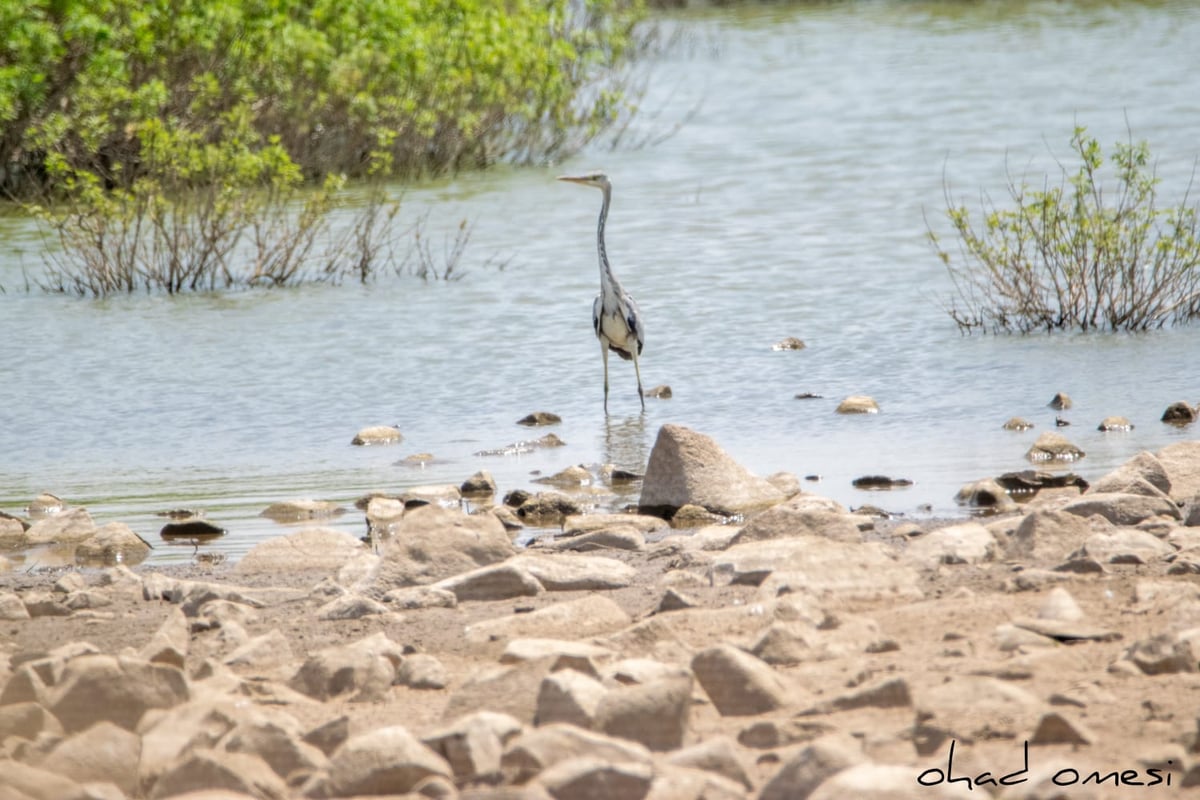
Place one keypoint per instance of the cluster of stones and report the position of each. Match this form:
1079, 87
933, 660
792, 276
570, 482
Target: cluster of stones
765, 659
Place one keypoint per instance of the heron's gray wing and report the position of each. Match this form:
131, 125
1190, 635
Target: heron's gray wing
596, 313
633, 318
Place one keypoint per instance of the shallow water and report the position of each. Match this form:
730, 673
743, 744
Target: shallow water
789, 202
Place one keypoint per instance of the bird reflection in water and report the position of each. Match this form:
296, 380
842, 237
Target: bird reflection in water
627, 448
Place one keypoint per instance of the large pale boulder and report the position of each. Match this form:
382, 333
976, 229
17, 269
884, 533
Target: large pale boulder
25, 782
541, 748
738, 683
965, 543
363, 670
1124, 509
1144, 468
310, 549
208, 769
104, 753
569, 573
431, 543
687, 467
472, 744
493, 582
1048, 535
811, 765
803, 515
96, 688
655, 713
69, 527
591, 777
1182, 464
114, 543
384, 761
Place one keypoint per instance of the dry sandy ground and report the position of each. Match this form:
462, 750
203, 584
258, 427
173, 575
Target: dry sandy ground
1131, 722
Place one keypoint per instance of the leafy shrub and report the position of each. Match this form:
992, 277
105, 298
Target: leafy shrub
1072, 256
349, 87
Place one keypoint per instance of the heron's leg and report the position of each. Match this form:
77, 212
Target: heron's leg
604, 354
638, 372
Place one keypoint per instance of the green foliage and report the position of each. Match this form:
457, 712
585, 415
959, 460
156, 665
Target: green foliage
392, 87
1072, 256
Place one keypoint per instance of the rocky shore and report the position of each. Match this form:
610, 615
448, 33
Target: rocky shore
1049, 649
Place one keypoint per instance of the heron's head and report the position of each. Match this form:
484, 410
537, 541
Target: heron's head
594, 178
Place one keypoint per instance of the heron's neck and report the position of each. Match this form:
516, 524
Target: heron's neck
608, 281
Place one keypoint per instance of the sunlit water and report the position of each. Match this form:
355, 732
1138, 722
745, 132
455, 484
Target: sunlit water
791, 201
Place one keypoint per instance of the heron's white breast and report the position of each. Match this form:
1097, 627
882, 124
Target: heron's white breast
613, 328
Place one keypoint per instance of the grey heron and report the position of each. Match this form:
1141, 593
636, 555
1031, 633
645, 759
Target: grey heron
615, 315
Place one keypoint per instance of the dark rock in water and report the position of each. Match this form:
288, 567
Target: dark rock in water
1179, 414
623, 476
986, 494
1062, 423
1017, 424
1032, 481
539, 418
879, 482
872, 511
807, 396
1060, 401
547, 508
790, 343
481, 483
516, 498
1115, 424
191, 529
662, 392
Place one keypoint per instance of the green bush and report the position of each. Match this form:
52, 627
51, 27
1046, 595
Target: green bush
355, 87
1076, 256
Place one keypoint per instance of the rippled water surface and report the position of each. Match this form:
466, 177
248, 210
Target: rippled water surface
812, 140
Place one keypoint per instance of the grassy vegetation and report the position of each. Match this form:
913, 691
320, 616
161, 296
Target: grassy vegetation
174, 146
1090, 253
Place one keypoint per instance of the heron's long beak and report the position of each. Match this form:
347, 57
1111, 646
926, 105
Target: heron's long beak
572, 178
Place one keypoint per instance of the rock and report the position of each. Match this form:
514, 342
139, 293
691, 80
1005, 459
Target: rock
738, 683
1058, 728
271, 649
102, 753
202, 769
686, 467
1125, 546
608, 539
68, 527
545, 509
965, 543
480, 484
422, 671
1162, 655
847, 572
519, 650
1110, 424
364, 670
1123, 509
385, 761
1182, 463
276, 739
329, 736
539, 418
25, 782
114, 543
191, 529
569, 697
655, 713
1059, 605
674, 601
589, 523
590, 615
445, 495
1053, 447
803, 515
510, 689
590, 777
1017, 424
673, 782
169, 644
717, 754
537, 750
788, 343
27, 720
415, 597
883, 782
377, 434
971, 708
785, 644
45, 505
432, 543
11, 607
661, 392
351, 606
988, 494
858, 404
311, 549
472, 745
1060, 402
1048, 535
811, 766
1180, 413
576, 572
300, 510
494, 582
887, 693
96, 688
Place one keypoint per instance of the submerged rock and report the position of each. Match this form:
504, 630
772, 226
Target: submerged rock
858, 404
1180, 413
377, 434
1017, 424
1053, 447
790, 343
1060, 402
539, 418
